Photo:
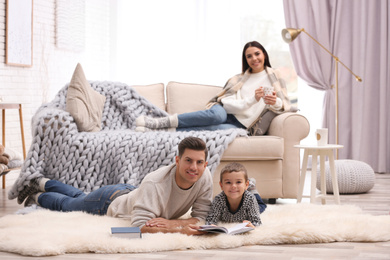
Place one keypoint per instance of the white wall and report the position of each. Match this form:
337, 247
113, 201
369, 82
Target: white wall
175, 40
310, 102
52, 68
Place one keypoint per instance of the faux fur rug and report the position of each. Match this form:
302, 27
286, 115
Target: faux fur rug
43, 233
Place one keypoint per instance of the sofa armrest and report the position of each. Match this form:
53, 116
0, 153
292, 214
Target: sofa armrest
292, 127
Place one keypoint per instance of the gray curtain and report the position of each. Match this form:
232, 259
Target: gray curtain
358, 32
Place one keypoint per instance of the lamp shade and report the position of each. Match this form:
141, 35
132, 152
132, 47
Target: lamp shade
289, 34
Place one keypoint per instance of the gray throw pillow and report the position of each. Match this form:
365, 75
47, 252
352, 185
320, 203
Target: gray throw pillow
261, 126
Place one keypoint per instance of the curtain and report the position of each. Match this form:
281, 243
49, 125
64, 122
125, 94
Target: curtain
357, 32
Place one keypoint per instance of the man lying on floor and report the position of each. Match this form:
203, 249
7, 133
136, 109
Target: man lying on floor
155, 206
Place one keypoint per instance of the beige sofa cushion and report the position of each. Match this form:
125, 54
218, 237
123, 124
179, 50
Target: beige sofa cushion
178, 94
255, 148
153, 93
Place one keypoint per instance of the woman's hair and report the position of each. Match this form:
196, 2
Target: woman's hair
234, 167
256, 44
192, 143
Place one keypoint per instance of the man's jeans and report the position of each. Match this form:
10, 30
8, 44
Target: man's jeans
63, 197
211, 119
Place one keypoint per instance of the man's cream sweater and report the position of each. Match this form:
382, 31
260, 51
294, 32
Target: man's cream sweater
159, 196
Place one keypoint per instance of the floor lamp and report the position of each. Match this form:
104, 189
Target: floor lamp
289, 34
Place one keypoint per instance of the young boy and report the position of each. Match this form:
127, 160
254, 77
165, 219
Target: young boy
235, 203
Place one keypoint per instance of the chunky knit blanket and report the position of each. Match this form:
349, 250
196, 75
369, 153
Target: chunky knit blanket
116, 154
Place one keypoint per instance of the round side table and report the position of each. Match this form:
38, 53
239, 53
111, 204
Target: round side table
322, 152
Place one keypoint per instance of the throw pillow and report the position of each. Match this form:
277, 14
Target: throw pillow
261, 126
84, 103
13, 155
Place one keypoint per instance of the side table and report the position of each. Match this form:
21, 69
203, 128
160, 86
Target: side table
3, 107
315, 151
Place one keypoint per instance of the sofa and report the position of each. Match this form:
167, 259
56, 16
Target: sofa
86, 138
271, 159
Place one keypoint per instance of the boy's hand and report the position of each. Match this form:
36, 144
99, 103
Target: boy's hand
249, 224
192, 230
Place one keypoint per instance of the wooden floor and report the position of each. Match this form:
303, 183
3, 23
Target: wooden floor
376, 202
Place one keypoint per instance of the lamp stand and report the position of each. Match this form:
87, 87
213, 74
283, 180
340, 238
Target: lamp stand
289, 34
337, 104
336, 88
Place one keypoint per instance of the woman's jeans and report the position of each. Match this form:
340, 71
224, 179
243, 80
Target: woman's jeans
211, 119
63, 197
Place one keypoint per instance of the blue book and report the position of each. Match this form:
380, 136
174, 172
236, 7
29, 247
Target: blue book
126, 232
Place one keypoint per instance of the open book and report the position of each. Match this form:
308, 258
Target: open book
237, 229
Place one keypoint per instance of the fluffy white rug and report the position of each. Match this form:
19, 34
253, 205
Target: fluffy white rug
43, 233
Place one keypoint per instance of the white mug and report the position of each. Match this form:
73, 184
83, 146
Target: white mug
268, 90
322, 136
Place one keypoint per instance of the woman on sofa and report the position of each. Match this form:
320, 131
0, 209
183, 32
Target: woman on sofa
242, 103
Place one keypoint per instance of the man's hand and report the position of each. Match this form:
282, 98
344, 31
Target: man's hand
192, 230
184, 226
163, 223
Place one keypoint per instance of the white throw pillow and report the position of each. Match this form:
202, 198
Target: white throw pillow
13, 155
84, 103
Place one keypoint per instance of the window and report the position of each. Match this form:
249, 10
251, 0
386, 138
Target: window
196, 41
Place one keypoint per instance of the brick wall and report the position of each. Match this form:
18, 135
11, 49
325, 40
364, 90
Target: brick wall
52, 67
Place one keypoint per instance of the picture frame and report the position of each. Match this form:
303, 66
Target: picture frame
70, 25
19, 33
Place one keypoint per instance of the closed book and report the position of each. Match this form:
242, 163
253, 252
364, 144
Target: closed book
126, 232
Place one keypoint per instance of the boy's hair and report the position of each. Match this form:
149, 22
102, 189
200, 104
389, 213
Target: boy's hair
234, 167
193, 143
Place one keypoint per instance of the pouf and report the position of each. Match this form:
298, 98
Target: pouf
352, 177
